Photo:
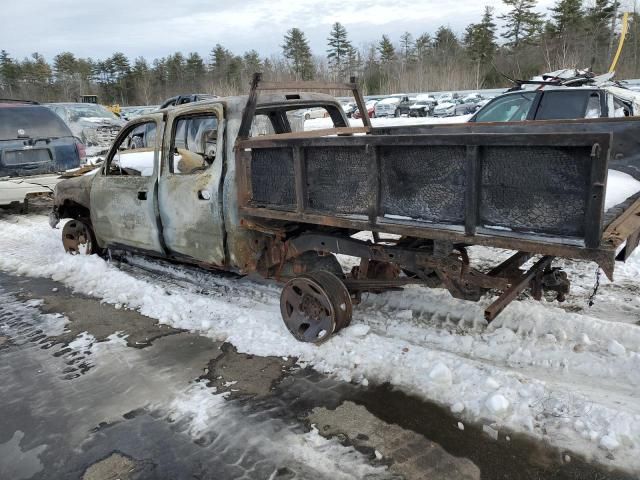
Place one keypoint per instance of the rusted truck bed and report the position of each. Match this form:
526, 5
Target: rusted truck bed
541, 191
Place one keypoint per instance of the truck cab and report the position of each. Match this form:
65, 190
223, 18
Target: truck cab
167, 186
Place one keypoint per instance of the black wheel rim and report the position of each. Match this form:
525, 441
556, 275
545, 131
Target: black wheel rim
307, 310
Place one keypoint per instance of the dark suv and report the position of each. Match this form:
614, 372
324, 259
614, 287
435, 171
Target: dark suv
34, 140
556, 103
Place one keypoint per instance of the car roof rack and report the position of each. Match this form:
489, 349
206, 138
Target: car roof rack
13, 100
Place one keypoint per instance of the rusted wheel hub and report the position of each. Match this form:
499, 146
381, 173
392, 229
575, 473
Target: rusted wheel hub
314, 306
77, 238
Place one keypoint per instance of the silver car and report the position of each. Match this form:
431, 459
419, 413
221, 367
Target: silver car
93, 124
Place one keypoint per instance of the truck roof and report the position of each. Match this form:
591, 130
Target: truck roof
238, 102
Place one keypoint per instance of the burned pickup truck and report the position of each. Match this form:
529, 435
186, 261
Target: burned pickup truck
236, 184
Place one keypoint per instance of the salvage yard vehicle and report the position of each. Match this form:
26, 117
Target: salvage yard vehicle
93, 124
188, 98
423, 107
560, 102
393, 106
35, 145
209, 191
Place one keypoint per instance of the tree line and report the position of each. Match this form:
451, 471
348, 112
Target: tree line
571, 34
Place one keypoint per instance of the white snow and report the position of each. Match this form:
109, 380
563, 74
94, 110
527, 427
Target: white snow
524, 372
396, 217
620, 186
203, 410
320, 123
497, 404
615, 348
440, 374
609, 442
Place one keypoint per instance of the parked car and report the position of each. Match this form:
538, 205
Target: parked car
188, 98
446, 108
129, 113
446, 97
393, 106
404, 106
560, 102
371, 109
349, 107
472, 97
312, 113
35, 145
467, 106
423, 106
93, 124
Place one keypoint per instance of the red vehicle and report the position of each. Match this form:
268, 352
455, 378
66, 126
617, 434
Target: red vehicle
371, 109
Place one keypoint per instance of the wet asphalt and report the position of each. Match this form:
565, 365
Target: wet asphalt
116, 395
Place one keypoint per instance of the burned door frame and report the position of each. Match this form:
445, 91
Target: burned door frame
124, 207
190, 205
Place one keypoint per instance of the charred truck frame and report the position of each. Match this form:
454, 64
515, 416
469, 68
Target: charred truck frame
536, 188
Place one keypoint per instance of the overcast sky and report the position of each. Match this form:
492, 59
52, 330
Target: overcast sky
155, 28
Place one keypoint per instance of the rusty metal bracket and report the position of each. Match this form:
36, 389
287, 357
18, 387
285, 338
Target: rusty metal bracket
517, 288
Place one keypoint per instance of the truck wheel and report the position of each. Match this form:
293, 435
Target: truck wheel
78, 238
314, 306
396, 113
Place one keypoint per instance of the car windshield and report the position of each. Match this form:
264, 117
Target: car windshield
510, 108
79, 111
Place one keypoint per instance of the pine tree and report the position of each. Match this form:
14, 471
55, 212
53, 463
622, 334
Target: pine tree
480, 40
445, 41
219, 60
9, 73
407, 45
598, 24
252, 62
194, 68
423, 46
386, 50
339, 50
567, 16
297, 51
522, 22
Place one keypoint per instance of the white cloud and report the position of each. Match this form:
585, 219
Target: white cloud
156, 28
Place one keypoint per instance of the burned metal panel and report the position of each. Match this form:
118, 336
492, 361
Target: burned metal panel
189, 207
625, 143
272, 178
536, 188
124, 207
337, 179
424, 183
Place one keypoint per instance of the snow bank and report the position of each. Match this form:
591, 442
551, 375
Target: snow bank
537, 369
620, 186
319, 123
